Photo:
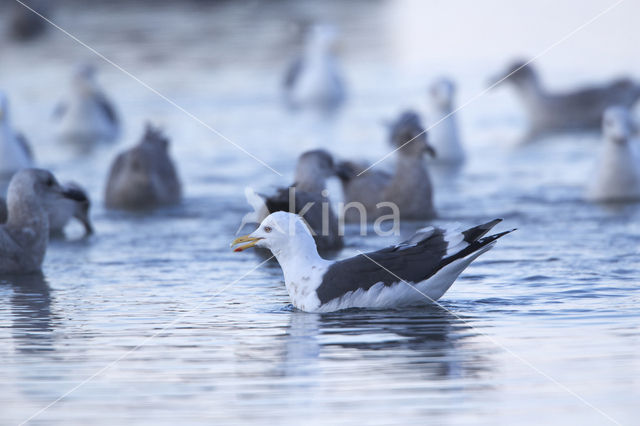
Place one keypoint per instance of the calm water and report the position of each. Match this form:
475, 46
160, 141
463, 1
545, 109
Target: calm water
154, 320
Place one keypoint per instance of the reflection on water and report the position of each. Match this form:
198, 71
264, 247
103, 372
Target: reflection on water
32, 322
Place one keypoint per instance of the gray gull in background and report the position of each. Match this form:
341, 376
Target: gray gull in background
62, 210
24, 238
144, 176
308, 196
409, 187
15, 153
577, 110
86, 117
313, 80
24, 25
617, 176
443, 132
417, 271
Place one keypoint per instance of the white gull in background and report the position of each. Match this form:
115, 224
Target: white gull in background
87, 116
617, 176
409, 187
313, 80
24, 238
15, 153
417, 271
443, 130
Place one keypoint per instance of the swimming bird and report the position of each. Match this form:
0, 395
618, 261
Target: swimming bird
144, 176
24, 238
63, 210
417, 271
443, 133
580, 109
409, 189
24, 24
308, 196
617, 176
313, 80
15, 153
87, 116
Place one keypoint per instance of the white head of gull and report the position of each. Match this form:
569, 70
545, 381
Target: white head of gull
443, 134
417, 271
313, 80
87, 116
24, 238
15, 153
617, 176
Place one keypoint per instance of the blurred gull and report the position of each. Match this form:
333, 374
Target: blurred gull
62, 210
25, 25
313, 80
617, 176
443, 134
409, 188
15, 153
580, 109
24, 238
144, 176
415, 272
86, 117
308, 195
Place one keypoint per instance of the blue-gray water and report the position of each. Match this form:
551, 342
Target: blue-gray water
153, 321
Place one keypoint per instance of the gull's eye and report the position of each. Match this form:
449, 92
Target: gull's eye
267, 229
49, 182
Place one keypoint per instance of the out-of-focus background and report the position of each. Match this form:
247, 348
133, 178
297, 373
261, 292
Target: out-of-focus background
561, 293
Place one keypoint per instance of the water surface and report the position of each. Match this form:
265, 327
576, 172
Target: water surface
155, 321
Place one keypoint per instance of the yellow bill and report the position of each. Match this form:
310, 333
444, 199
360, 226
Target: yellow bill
251, 241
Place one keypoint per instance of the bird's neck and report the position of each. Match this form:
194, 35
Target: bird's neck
316, 52
297, 258
314, 186
531, 91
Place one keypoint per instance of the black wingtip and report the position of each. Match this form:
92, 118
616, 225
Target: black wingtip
475, 233
494, 237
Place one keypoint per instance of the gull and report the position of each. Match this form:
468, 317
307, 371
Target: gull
24, 238
62, 210
444, 135
313, 80
580, 109
617, 175
417, 271
144, 176
86, 117
408, 188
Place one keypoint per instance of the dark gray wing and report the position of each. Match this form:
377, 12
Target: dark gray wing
24, 143
413, 261
3, 211
619, 92
107, 108
292, 73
